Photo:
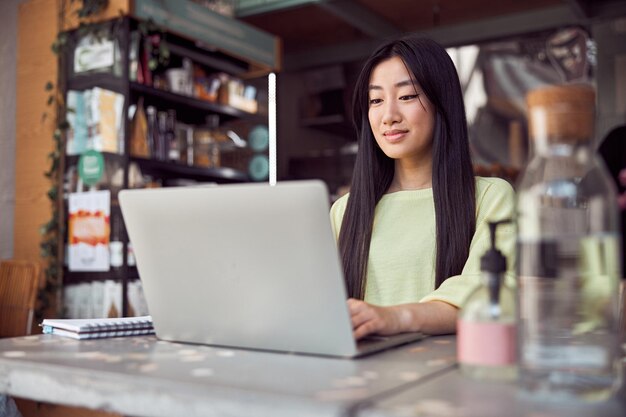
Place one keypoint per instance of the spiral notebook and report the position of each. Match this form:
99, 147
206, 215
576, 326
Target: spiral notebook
98, 328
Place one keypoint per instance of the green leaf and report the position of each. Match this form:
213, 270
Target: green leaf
52, 193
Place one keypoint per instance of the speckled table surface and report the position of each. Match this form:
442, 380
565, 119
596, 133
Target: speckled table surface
141, 376
454, 394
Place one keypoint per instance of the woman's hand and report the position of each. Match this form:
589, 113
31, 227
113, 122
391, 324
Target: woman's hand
432, 317
369, 319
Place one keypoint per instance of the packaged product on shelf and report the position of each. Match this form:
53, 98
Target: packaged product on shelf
180, 80
95, 121
106, 120
205, 87
88, 231
96, 53
112, 305
134, 73
184, 133
240, 96
77, 132
206, 144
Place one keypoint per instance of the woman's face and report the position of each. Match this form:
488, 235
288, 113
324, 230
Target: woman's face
401, 117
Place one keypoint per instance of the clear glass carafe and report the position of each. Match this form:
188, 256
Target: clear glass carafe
568, 254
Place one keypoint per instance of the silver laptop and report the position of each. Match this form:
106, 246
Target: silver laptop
246, 265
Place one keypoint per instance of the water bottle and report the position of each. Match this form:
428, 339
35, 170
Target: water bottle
568, 254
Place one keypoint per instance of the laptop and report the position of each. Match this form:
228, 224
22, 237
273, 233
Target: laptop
248, 266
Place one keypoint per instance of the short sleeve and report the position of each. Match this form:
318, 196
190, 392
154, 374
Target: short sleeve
495, 201
336, 214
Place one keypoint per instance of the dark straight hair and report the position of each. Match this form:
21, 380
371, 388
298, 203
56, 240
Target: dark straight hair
452, 175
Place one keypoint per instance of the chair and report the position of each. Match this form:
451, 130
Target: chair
19, 281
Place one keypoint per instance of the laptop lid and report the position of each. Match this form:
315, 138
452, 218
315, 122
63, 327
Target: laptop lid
244, 265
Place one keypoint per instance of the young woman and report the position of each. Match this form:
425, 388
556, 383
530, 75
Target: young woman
415, 223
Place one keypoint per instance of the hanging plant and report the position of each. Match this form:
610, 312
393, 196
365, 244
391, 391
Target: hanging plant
157, 49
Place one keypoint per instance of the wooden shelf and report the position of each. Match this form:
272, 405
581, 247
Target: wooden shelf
191, 102
173, 170
107, 81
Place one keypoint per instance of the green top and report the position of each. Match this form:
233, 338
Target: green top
401, 265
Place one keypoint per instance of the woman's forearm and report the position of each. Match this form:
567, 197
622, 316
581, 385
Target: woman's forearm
431, 317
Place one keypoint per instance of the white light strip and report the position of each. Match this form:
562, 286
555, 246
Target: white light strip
271, 97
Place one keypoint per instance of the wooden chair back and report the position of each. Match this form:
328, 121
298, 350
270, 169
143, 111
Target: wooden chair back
19, 282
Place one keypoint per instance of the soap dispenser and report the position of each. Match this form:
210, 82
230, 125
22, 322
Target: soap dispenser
486, 330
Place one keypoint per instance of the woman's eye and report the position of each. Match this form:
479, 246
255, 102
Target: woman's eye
409, 97
375, 101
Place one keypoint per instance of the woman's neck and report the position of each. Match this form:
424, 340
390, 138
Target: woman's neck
411, 177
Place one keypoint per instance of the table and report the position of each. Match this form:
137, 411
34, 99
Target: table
453, 394
142, 376
145, 377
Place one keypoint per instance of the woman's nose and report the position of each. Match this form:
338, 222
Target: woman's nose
391, 114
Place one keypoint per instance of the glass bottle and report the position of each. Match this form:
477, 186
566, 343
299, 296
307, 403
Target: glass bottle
162, 144
153, 131
171, 139
568, 258
213, 122
486, 332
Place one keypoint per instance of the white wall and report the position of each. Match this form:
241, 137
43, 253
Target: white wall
8, 60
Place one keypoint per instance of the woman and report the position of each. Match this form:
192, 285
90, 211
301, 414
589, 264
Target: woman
413, 228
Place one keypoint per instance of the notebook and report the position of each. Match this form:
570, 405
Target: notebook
244, 265
98, 328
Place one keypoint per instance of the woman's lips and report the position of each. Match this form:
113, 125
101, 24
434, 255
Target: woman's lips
393, 136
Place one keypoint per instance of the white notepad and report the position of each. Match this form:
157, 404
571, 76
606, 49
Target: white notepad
99, 328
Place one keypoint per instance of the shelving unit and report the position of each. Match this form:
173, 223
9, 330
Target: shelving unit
190, 111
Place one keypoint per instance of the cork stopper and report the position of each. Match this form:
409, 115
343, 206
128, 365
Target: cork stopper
561, 114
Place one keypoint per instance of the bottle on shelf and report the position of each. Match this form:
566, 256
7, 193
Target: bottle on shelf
486, 331
568, 259
153, 131
213, 122
171, 139
162, 145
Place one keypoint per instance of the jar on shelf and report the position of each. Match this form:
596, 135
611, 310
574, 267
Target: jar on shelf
206, 147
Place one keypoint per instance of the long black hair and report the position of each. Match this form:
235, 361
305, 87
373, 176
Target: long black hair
452, 175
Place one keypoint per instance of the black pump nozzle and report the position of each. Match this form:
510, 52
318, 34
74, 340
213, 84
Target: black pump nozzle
493, 260
493, 263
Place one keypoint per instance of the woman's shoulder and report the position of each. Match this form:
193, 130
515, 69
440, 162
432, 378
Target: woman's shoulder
494, 195
493, 186
339, 206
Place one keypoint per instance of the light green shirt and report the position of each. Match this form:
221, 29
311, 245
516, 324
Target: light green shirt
401, 264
